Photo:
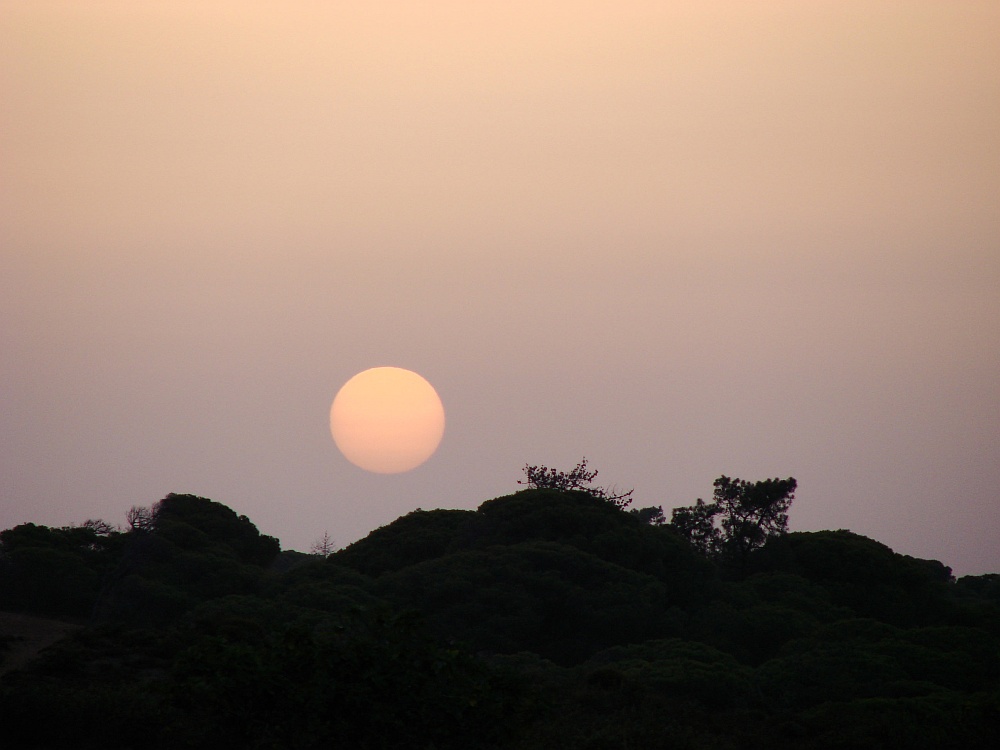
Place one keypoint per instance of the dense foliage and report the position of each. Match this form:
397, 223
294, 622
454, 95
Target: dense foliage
579, 478
742, 518
550, 618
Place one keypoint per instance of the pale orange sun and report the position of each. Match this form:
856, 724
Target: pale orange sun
387, 420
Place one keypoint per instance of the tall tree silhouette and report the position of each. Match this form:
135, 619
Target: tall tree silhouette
743, 516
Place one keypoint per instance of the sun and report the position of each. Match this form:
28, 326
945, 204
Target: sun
387, 420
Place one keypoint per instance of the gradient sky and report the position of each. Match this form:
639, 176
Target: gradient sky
680, 239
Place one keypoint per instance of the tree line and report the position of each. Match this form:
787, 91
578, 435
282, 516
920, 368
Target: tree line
554, 617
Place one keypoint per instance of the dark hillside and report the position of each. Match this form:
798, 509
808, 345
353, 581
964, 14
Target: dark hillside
188, 550
574, 519
864, 575
411, 539
22, 637
543, 597
544, 619
57, 572
592, 525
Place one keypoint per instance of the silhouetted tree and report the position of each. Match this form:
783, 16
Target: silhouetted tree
696, 523
186, 549
324, 546
749, 514
578, 479
752, 512
139, 518
652, 515
99, 526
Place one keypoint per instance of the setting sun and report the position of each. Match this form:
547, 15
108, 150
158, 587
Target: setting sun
387, 420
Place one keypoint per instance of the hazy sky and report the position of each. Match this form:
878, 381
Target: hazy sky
681, 239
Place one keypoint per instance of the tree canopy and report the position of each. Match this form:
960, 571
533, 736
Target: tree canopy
577, 479
548, 618
742, 517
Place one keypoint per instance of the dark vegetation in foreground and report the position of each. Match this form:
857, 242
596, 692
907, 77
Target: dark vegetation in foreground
551, 618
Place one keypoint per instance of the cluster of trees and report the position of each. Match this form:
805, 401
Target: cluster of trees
742, 517
181, 551
551, 618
